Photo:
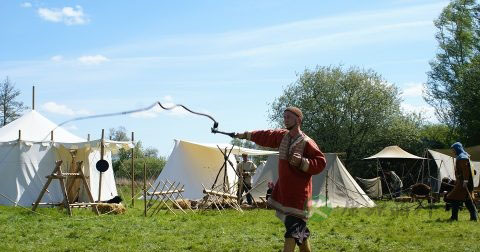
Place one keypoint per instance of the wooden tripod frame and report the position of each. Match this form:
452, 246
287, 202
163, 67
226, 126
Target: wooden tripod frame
58, 174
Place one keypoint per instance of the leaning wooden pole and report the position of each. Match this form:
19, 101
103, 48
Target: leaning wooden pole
133, 170
144, 189
102, 153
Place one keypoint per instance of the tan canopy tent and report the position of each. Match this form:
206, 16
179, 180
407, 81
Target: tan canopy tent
393, 152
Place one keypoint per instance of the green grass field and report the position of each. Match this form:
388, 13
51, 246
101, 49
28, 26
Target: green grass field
388, 227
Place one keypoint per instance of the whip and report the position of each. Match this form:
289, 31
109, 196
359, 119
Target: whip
214, 129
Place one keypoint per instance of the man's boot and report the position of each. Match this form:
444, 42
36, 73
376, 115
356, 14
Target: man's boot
454, 216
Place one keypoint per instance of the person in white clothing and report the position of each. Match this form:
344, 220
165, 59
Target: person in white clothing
245, 171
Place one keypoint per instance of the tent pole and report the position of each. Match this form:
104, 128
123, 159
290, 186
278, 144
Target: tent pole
19, 135
33, 97
51, 135
144, 189
132, 169
225, 173
102, 153
379, 167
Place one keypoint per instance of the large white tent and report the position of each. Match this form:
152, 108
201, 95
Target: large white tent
334, 183
193, 164
29, 150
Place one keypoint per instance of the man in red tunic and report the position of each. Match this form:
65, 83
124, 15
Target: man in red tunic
299, 159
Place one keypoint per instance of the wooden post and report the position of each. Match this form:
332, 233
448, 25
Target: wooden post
88, 137
133, 170
326, 189
33, 97
145, 189
102, 153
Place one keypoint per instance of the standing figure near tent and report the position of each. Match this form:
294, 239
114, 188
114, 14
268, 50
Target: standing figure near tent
396, 183
245, 170
299, 159
462, 191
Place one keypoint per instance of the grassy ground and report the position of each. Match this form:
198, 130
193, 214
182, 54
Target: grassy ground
388, 227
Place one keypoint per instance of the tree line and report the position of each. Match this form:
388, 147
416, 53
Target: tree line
356, 112
122, 161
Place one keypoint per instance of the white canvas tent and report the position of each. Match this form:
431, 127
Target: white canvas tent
334, 183
193, 164
445, 169
28, 154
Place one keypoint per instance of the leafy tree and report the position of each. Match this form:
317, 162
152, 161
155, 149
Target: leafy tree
119, 134
351, 111
454, 71
469, 103
10, 109
150, 152
436, 136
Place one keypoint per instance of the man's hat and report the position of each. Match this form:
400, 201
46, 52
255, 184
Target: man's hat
296, 111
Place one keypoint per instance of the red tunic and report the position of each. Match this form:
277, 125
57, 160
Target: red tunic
293, 188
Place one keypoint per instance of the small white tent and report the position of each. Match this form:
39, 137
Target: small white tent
334, 183
193, 164
445, 168
28, 154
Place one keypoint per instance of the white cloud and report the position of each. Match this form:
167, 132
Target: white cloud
67, 15
71, 127
26, 5
151, 113
413, 90
57, 58
60, 109
320, 34
93, 59
425, 110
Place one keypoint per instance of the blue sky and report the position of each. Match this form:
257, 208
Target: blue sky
227, 58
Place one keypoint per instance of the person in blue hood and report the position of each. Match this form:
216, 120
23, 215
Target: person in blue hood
462, 191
